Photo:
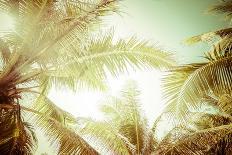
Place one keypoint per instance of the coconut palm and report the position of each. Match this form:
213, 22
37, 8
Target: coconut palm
124, 130
53, 45
193, 87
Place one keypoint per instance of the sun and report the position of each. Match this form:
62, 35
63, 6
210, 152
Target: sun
6, 22
81, 104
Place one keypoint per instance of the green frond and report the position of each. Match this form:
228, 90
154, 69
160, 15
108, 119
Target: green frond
102, 54
41, 40
113, 108
61, 33
220, 49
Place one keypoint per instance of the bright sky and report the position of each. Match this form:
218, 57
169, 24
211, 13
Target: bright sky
7, 23
85, 102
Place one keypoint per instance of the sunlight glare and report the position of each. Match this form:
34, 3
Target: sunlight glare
7, 22
85, 103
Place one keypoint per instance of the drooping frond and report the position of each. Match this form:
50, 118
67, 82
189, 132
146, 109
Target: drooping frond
16, 136
68, 140
173, 82
171, 138
211, 78
208, 141
57, 125
224, 7
49, 110
203, 120
197, 121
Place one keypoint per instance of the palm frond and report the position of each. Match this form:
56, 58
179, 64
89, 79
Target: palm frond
57, 125
16, 137
49, 110
172, 137
69, 141
5, 52
213, 140
206, 37
204, 81
209, 36
224, 7
59, 130
50, 34
101, 54
173, 82
106, 133
207, 120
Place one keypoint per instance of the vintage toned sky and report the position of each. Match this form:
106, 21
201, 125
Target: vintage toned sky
167, 22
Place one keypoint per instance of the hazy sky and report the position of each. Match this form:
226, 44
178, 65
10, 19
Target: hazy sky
167, 22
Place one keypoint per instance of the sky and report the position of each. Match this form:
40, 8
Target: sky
165, 22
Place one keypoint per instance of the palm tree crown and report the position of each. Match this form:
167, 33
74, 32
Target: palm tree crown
53, 45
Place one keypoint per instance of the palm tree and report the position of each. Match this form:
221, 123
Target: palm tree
53, 45
193, 87
124, 130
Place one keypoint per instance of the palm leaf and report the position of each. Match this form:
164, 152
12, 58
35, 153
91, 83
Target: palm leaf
207, 120
202, 80
106, 137
57, 125
102, 54
16, 137
173, 82
69, 141
209, 36
213, 140
50, 110
224, 7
